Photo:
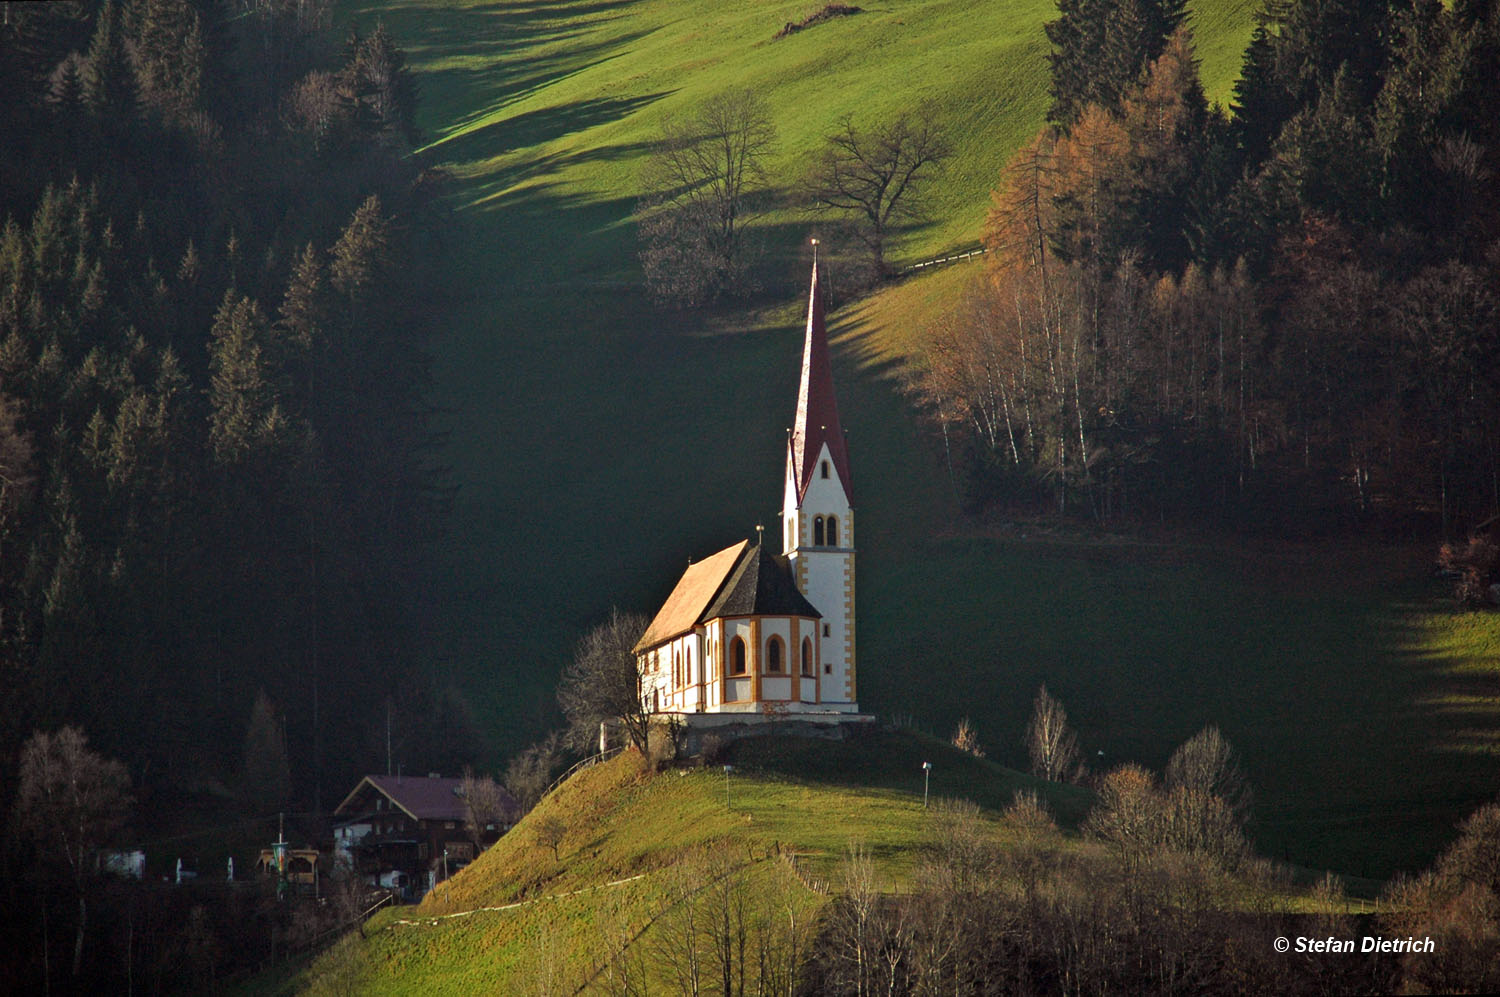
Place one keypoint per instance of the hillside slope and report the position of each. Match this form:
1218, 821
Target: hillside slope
599, 444
522, 919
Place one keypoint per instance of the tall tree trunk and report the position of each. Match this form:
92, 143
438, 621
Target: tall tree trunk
83, 920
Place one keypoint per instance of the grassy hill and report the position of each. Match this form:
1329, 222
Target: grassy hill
523, 920
599, 444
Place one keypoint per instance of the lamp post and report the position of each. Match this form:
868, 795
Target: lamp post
727, 769
926, 781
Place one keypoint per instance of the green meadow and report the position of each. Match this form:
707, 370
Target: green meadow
599, 444
522, 919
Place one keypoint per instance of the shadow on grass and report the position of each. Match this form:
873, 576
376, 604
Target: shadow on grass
892, 760
537, 128
479, 71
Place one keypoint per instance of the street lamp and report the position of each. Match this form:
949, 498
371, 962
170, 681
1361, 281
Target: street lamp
926, 780
727, 769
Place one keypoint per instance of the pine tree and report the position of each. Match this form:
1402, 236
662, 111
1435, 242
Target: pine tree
266, 775
245, 418
108, 82
363, 252
381, 82
170, 56
1100, 48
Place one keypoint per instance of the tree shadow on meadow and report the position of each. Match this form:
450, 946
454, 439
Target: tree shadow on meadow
537, 128
477, 48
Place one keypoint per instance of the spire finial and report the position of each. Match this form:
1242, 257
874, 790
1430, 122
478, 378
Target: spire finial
815, 252
760, 533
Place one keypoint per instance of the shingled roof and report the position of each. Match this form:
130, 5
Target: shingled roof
742, 580
817, 419
421, 798
691, 596
761, 585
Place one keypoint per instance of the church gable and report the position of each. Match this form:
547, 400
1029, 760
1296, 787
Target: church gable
691, 596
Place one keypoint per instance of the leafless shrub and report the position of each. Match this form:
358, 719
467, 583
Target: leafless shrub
1207, 765
966, 739
488, 809
530, 772
549, 832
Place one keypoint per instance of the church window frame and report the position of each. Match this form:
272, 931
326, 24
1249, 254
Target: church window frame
817, 531
825, 470
775, 656
807, 657
739, 659
831, 531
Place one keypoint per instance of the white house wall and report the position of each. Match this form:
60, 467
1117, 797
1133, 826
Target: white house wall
704, 656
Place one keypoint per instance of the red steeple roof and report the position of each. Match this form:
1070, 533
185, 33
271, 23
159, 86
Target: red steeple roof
817, 411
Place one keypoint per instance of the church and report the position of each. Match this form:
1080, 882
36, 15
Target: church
747, 633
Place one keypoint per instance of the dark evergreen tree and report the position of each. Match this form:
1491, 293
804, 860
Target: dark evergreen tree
1100, 49
170, 55
245, 418
383, 86
109, 88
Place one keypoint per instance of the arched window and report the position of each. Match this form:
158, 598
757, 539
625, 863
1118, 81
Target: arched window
737, 656
807, 661
676, 668
833, 531
774, 656
818, 531
825, 469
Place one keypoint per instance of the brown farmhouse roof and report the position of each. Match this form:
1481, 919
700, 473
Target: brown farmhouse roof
429, 798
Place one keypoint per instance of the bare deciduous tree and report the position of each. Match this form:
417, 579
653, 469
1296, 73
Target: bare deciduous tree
486, 807
603, 683
699, 198
1207, 764
1052, 744
529, 773
550, 832
876, 174
1129, 814
70, 801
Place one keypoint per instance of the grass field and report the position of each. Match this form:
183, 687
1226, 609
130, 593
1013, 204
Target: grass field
599, 444
523, 920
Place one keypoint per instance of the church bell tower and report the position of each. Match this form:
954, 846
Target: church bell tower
817, 511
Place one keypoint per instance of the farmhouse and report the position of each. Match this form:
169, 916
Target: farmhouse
406, 832
749, 633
